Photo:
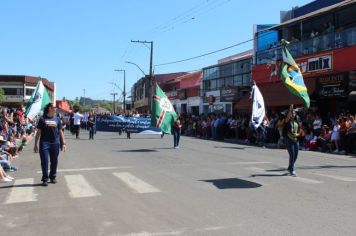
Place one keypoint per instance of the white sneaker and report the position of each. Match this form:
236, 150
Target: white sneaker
10, 178
5, 180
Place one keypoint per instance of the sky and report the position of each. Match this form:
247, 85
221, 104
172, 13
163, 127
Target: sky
79, 43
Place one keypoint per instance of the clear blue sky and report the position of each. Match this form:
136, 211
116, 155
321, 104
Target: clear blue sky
79, 43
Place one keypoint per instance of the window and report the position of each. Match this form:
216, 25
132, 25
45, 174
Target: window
29, 92
229, 82
238, 80
220, 83
13, 91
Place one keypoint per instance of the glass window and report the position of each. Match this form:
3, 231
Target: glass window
238, 80
228, 108
229, 82
213, 85
246, 79
220, 83
29, 92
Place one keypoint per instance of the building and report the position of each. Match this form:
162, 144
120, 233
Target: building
323, 43
223, 84
184, 93
140, 90
19, 88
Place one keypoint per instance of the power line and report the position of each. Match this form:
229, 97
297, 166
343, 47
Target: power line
213, 52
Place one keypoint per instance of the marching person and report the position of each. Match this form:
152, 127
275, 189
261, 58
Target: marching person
177, 128
91, 125
77, 120
291, 132
51, 139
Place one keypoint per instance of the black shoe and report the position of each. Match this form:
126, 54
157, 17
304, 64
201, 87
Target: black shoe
53, 181
45, 183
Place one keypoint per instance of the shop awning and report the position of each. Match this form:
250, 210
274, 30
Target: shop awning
274, 95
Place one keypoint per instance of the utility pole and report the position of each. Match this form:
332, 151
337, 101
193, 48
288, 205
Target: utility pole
124, 92
150, 79
113, 104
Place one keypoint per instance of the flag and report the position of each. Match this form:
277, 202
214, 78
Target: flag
39, 99
258, 107
292, 76
163, 114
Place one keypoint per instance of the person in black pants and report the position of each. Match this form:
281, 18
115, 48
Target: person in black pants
91, 125
51, 138
177, 128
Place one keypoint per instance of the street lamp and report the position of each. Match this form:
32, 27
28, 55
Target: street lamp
129, 62
124, 93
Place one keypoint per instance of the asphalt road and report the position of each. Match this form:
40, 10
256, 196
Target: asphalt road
141, 186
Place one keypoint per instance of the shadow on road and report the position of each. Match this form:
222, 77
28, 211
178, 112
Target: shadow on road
232, 183
269, 175
21, 186
239, 148
137, 150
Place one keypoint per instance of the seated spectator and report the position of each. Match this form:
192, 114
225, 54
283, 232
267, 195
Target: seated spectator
5, 178
324, 139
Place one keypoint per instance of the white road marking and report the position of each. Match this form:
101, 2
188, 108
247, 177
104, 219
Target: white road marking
22, 191
342, 178
136, 184
305, 180
79, 187
91, 169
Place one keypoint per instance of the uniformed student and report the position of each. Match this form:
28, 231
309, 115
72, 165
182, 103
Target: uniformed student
51, 140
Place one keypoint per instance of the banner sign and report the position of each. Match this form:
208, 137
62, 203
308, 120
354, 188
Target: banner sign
131, 124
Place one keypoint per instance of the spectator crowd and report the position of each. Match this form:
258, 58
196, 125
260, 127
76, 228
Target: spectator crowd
15, 130
331, 133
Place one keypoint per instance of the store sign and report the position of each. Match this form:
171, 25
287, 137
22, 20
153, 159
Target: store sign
332, 86
218, 108
316, 64
228, 95
14, 98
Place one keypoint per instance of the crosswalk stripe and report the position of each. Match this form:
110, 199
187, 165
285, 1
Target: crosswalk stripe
305, 180
342, 178
136, 184
79, 187
22, 191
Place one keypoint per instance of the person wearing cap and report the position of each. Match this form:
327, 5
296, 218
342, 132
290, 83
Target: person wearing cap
291, 132
51, 140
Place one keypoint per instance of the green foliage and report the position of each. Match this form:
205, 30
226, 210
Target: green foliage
2, 95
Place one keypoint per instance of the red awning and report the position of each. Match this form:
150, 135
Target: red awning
275, 95
63, 105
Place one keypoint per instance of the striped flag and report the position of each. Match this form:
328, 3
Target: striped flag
292, 76
163, 114
39, 99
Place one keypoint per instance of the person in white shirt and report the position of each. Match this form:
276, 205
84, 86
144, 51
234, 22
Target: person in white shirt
77, 119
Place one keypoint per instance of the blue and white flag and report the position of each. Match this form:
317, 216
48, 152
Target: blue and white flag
258, 107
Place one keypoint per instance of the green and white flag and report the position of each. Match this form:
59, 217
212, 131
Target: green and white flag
39, 99
163, 114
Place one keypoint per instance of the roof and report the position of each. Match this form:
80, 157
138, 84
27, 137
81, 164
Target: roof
237, 57
26, 79
191, 80
314, 13
162, 78
275, 95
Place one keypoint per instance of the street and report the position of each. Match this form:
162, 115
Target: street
142, 186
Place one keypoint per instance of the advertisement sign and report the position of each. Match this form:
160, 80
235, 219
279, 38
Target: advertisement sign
316, 64
229, 94
332, 86
132, 124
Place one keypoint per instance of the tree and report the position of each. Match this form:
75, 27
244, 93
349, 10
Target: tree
76, 107
2, 95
